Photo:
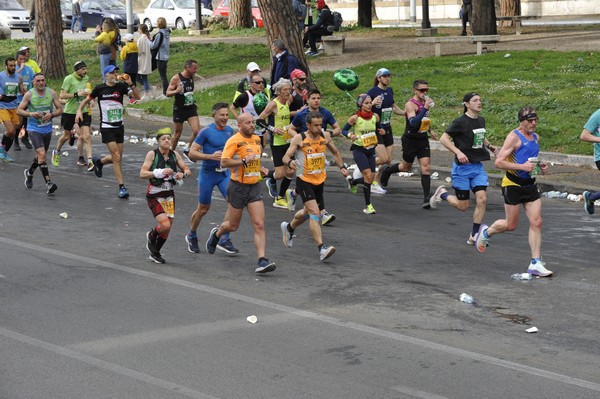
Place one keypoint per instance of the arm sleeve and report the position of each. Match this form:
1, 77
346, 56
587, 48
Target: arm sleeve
415, 121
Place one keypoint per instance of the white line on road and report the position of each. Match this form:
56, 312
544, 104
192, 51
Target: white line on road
416, 393
316, 316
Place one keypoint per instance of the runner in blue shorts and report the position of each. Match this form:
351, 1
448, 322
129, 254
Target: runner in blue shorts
208, 147
466, 138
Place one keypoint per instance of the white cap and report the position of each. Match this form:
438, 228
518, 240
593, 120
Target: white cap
253, 66
129, 37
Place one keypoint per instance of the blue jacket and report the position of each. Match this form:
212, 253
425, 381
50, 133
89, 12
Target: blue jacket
283, 66
163, 50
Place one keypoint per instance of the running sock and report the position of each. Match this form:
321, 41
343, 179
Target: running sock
44, 170
224, 238
356, 182
7, 142
285, 184
395, 168
485, 233
320, 246
121, 186
290, 229
475, 229
160, 241
367, 193
535, 260
271, 174
192, 234
444, 196
426, 184
33, 166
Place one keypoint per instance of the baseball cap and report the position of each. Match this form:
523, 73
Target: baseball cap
253, 66
129, 37
23, 48
382, 72
110, 69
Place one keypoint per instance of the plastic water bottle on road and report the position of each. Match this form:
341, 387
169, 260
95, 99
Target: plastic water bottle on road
466, 298
521, 276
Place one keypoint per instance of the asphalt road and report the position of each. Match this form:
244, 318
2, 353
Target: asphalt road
85, 314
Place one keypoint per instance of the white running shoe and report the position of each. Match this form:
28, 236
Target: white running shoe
539, 269
377, 189
288, 238
436, 198
471, 240
326, 251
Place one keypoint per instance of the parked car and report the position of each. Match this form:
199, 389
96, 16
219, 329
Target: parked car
93, 13
66, 13
13, 15
180, 14
257, 20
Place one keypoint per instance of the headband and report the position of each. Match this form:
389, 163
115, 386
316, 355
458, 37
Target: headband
531, 115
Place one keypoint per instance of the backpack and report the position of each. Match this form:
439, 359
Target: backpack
337, 21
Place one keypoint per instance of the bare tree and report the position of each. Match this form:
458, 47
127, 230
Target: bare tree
365, 15
240, 14
49, 38
484, 17
280, 23
510, 8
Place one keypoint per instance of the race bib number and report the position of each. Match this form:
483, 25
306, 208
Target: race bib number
369, 140
40, 122
425, 125
315, 163
188, 98
253, 168
168, 205
114, 113
11, 89
386, 116
478, 137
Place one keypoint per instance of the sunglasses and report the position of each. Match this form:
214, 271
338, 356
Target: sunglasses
259, 83
425, 90
302, 79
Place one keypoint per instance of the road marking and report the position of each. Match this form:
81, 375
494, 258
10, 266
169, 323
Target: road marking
316, 316
115, 368
416, 393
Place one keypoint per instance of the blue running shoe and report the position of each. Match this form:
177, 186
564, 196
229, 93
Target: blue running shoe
213, 240
123, 193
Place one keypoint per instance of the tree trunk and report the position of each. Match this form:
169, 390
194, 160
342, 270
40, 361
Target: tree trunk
365, 8
374, 16
484, 18
279, 18
240, 14
49, 39
509, 8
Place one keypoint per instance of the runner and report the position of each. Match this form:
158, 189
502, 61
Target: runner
110, 102
242, 154
519, 158
74, 89
27, 74
364, 140
306, 156
184, 107
465, 137
208, 147
591, 134
40, 105
11, 84
415, 143
163, 167
384, 106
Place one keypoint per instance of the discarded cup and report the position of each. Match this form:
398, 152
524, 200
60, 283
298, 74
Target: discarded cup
64, 215
448, 179
466, 298
532, 330
435, 176
65, 154
405, 174
252, 319
521, 276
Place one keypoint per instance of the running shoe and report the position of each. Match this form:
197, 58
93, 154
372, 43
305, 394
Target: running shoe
326, 251
192, 243
288, 238
327, 218
4, 156
588, 206
123, 193
290, 199
385, 176
539, 269
265, 266
81, 161
55, 158
312, 53
436, 198
157, 258
377, 189
369, 210
26, 143
280, 203
90, 165
213, 240
351, 186
150, 244
28, 178
227, 247
272, 186
426, 204
16, 145
186, 155
471, 239
72, 139
320, 47
97, 166
481, 242
50, 187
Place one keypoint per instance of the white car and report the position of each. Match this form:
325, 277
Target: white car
13, 15
180, 14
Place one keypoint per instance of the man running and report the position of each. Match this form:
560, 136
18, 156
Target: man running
242, 154
110, 102
519, 158
27, 74
184, 107
208, 148
591, 134
11, 84
306, 156
40, 105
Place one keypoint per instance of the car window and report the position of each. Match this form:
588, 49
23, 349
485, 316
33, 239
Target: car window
114, 6
10, 5
156, 4
185, 3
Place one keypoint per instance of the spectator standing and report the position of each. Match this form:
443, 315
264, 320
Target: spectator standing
76, 11
300, 11
105, 37
129, 56
144, 60
283, 62
467, 13
320, 27
161, 42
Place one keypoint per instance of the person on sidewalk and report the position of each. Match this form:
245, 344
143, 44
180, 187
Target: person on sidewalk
163, 167
591, 134
11, 84
144, 61
519, 158
283, 63
109, 96
40, 105
242, 154
129, 56
465, 137
161, 43
208, 148
415, 141
306, 155
320, 28
74, 89
466, 16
